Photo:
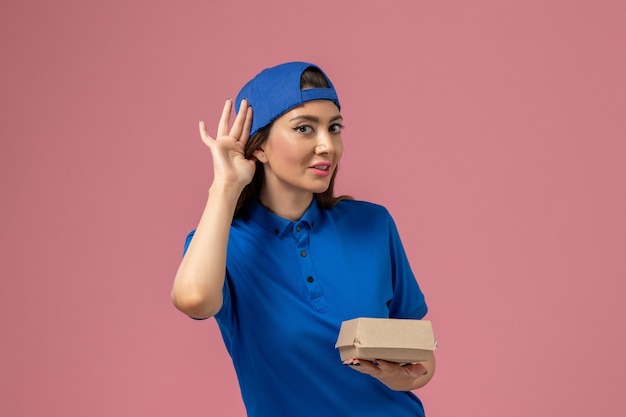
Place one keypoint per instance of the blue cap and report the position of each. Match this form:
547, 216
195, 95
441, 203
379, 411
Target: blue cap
276, 90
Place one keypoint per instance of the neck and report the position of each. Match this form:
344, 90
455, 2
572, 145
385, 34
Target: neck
290, 207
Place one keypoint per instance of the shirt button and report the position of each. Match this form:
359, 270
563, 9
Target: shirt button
298, 228
310, 279
303, 253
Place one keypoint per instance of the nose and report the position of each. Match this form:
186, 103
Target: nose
325, 144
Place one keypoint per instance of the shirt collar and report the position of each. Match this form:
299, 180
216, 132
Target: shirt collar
279, 226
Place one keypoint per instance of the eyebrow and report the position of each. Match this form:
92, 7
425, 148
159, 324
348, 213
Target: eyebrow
315, 119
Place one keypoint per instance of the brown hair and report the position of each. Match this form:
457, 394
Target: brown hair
310, 78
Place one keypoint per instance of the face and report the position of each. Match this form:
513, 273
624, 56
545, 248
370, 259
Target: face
302, 151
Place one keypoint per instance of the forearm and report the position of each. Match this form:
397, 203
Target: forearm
199, 281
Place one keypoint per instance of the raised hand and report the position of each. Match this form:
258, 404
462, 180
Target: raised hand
230, 165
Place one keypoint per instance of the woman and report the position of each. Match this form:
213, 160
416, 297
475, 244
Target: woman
280, 262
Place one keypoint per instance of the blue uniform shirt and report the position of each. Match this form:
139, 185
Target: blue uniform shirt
288, 287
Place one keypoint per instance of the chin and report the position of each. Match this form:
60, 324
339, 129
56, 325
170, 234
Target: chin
320, 189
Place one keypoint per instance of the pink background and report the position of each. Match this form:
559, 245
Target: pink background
494, 131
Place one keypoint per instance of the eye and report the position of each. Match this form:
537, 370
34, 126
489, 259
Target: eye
335, 128
304, 129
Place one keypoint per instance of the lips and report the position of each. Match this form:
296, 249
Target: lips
322, 169
323, 166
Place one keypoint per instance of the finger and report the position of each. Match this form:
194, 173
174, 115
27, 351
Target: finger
222, 127
206, 138
235, 131
363, 366
385, 366
417, 369
247, 125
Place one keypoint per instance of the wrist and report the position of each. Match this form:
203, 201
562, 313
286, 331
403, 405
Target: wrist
226, 189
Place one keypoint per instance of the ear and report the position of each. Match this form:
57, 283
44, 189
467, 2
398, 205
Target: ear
260, 155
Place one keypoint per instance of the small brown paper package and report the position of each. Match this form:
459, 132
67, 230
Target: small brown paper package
393, 340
